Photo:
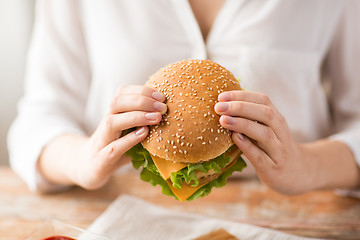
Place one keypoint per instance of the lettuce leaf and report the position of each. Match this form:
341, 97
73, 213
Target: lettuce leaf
188, 175
154, 180
149, 173
141, 158
220, 181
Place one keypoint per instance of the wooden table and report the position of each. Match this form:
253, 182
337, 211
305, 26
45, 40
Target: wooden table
317, 214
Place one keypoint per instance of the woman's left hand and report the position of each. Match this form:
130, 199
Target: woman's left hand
269, 146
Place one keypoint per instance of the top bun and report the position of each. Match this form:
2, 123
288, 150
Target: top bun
190, 131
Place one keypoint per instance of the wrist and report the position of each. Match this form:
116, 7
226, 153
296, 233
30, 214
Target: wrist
57, 163
310, 162
73, 161
331, 165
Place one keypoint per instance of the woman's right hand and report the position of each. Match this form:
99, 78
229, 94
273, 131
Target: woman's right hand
92, 160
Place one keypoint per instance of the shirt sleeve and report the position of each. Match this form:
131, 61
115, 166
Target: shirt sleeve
344, 74
56, 87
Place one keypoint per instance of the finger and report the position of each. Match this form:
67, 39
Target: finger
259, 159
263, 135
247, 96
253, 111
141, 90
113, 124
126, 103
112, 153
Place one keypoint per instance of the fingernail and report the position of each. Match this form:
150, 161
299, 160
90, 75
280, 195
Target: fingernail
240, 136
226, 96
161, 107
140, 131
158, 96
229, 120
151, 116
221, 106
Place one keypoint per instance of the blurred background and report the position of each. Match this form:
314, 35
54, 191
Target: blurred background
16, 19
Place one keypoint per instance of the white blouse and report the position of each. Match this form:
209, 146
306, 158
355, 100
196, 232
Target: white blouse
304, 55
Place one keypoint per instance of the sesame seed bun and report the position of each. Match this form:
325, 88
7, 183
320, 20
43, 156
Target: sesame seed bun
190, 131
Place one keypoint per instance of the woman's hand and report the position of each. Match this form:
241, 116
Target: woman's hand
91, 160
276, 157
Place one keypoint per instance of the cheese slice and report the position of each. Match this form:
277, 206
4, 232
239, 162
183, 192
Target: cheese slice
185, 191
166, 167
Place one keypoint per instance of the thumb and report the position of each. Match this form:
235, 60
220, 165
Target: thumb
116, 149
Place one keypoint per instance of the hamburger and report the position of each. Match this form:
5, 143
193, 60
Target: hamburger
189, 152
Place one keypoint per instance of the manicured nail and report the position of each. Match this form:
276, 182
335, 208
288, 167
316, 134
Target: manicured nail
221, 106
229, 120
151, 116
158, 96
140, 131
226, 96
161, 107
240, 136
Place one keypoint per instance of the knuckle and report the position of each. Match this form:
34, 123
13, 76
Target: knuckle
265, 99
245, 124
110, 153
239, 106
270, 113
135, 118
114, 103
120, 90
282, 119
261, 158
278, 167
269, 135
146, 91
109, 121
141, 101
